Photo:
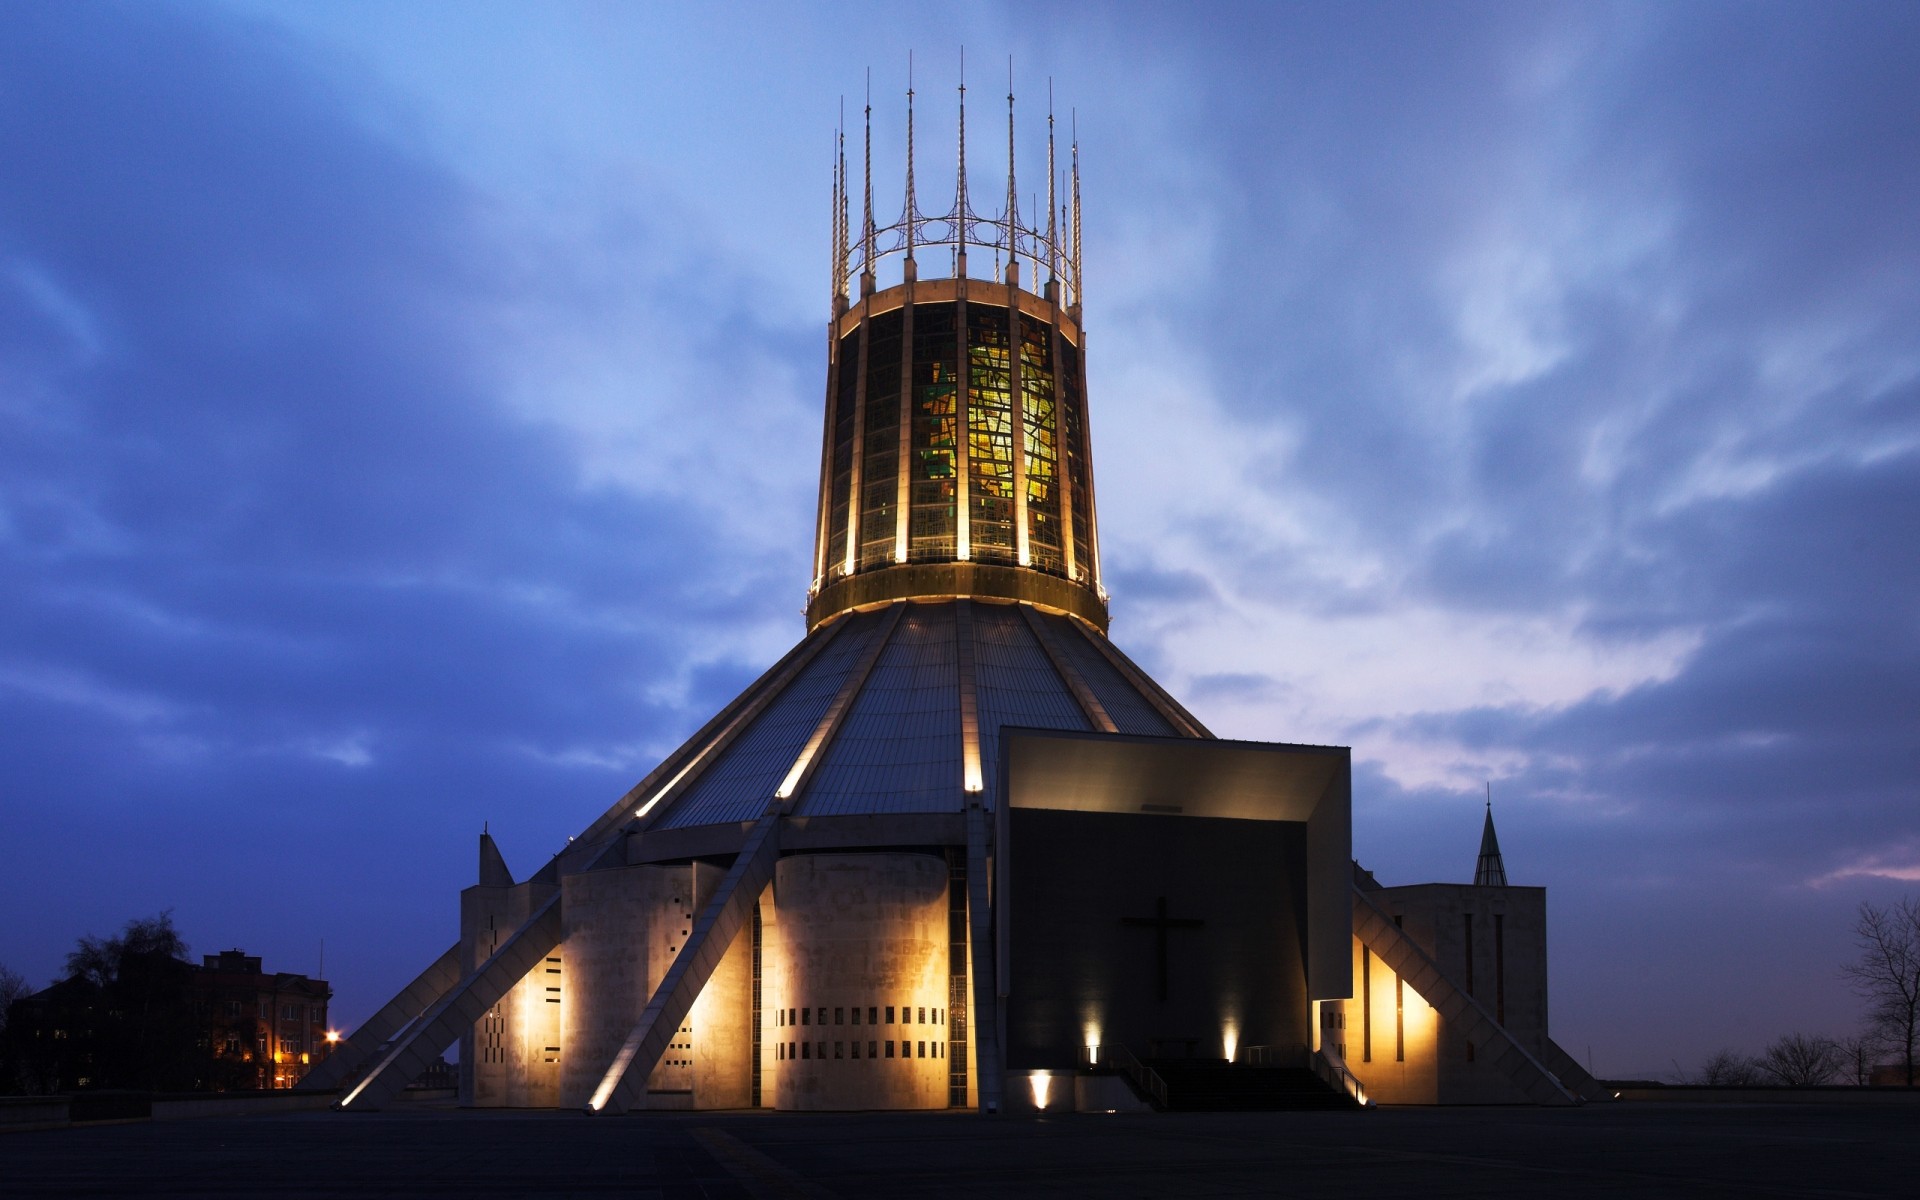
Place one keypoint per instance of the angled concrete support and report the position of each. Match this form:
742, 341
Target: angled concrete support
360, 1047
720, 921
983, 970
1378, 933
462, 1005
1571, 1074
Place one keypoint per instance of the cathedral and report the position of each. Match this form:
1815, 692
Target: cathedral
956, 849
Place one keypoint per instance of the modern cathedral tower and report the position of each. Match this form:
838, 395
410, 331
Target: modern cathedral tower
954, 849
956, 459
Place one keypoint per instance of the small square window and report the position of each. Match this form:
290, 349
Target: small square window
856, 1048
806, 1049
790, 1019
839, 1016
806, 1016
823, 1014
873, 1015
923, 1050
839, 1049
889, 1014
872, 1047
889, 1049
923, 1016
856, 1014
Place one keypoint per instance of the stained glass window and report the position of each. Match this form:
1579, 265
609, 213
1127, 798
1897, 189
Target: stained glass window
935, 396
842, 470
1075, 444
879, 482
1041, 420
990, 434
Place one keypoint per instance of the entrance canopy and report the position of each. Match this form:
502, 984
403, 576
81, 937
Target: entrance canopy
1187, 777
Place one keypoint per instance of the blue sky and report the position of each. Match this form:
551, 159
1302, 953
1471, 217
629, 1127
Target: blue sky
408, 419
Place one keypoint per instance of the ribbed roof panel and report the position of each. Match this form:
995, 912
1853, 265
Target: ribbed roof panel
898, 750
1014, 683
738, 784
1131, 711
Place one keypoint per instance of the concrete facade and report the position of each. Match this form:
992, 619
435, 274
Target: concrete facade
859, 1009
624, 926
1492, 944
511, 1057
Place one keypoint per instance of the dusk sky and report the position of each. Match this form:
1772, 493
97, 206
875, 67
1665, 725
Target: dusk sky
409, 419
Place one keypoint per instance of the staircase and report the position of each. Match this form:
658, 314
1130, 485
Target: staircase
1204, 1085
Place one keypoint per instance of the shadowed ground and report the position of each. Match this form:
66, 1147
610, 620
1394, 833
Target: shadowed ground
1676, 1150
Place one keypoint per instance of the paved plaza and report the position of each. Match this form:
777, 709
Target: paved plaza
1610, 1150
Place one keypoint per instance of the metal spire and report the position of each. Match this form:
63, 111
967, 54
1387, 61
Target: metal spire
1491, 870
846, 225
866, 227
913, 211
1013, 196
833, 219
960, 189
1077, 294
1053, 232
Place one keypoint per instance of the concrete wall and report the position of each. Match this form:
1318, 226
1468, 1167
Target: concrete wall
1507, 975
720, 1028
1391, 1034
774, 988
624, 926
855, 1006
509, 1059
1083, 968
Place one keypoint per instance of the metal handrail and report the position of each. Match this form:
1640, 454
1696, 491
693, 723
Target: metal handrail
1144, 1077
1292, 1054
1297, 1055
1338, 1077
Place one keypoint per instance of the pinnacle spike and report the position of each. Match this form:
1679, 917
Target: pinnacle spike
1053, 232
866, 225
960, 187
834, 220
1013, 194
913, 207
1079, 294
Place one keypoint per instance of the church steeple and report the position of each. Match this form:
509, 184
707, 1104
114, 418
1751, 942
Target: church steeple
1491, 871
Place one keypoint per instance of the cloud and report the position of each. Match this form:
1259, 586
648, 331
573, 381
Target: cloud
287, 524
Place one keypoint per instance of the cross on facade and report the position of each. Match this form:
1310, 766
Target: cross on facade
1160, 923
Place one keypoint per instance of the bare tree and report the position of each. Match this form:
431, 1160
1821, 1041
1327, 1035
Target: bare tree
1799, 1059
1728, 1068
1887, 974
13, 986
100, 959
1858, 1052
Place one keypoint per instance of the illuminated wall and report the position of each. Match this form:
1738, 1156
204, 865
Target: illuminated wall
512, 1056
1491, 944
1391, 1034
860, 1014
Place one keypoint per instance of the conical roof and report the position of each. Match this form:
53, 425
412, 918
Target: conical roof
1491, 871
905, 676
